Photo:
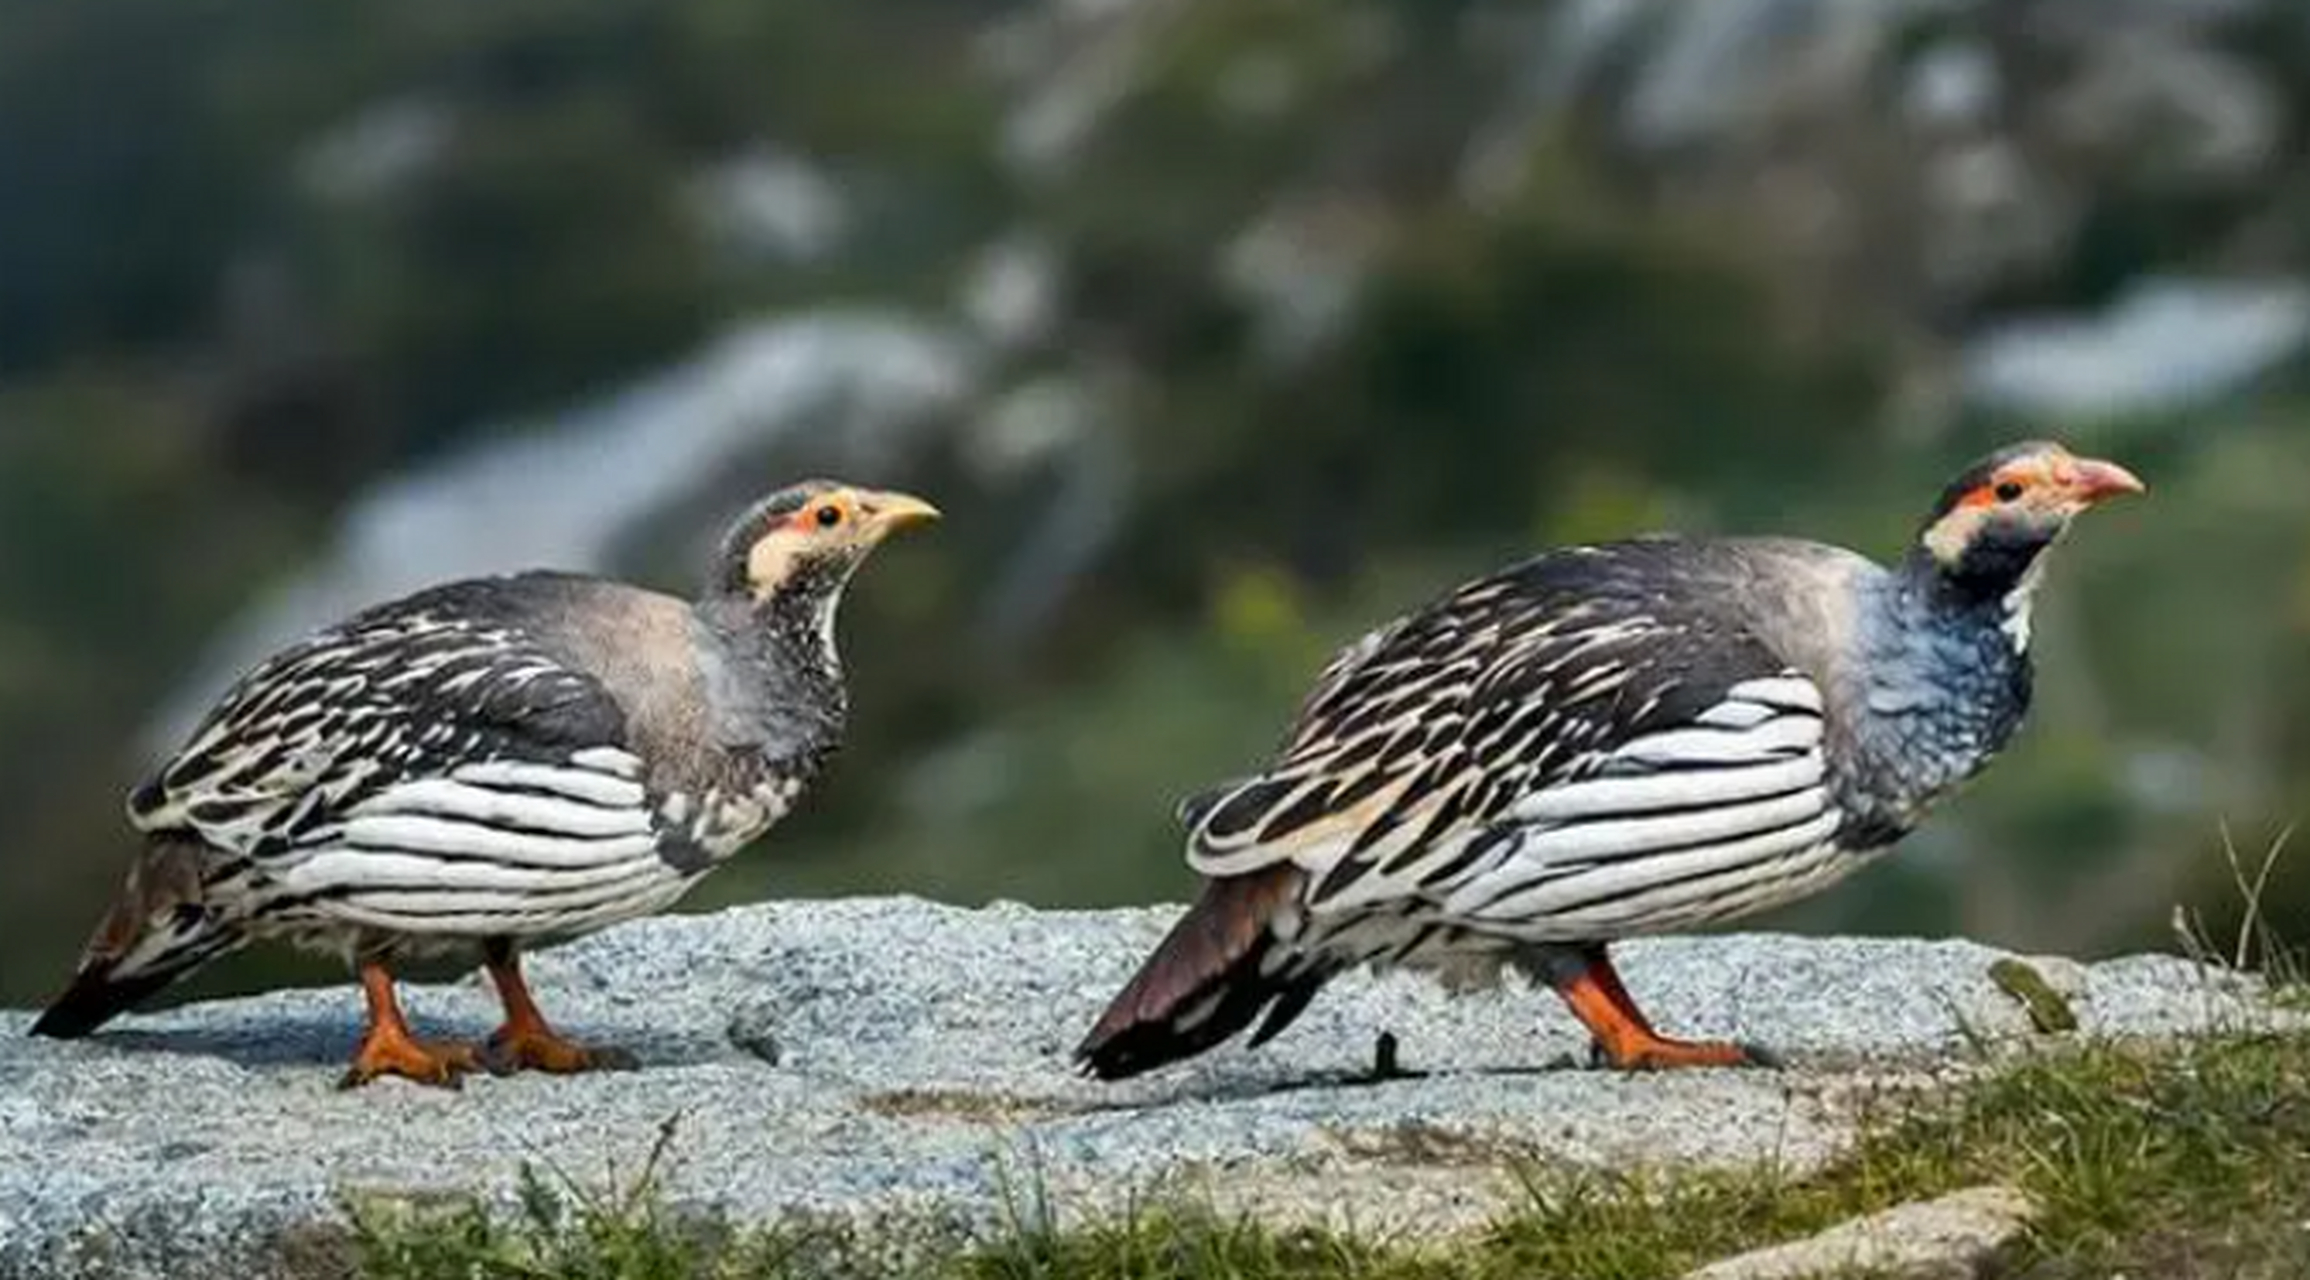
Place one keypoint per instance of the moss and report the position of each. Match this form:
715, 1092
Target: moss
2048, 1009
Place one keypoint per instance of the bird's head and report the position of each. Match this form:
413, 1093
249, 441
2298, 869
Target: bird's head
2001, 513
804, 541
1986, 539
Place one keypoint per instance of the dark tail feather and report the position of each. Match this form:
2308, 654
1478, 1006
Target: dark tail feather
158, 930
1205, 981
1291, 1000
96, 997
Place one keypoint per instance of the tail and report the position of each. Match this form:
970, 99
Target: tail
1212, 976
162, 927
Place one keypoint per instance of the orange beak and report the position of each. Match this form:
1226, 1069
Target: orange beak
2090, 480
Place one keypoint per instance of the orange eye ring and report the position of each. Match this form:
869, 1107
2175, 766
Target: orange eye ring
828, 516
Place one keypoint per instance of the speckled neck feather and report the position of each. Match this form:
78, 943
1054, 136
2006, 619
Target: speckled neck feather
1947, 681
780, 684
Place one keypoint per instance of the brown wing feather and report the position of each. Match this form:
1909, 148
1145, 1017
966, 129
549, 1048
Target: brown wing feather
158, 929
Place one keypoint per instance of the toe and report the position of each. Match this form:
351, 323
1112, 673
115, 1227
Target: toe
1760, 1056
426, 1070
455, 1059
612, 1059
1661, 1054
505, 1055
499, 1059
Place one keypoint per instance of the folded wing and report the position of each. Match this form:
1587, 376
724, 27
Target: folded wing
1545, 762
420, 770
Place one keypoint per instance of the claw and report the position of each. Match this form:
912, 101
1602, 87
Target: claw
444, 1066
1760, 1056
537, 1048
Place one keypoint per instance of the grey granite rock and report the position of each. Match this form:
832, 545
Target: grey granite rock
888, 1060
1951, 1238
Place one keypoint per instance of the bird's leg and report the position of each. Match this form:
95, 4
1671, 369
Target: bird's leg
527, 1042
387, 1047
1591, 988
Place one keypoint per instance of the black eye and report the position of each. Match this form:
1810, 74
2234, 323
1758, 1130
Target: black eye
828, 517
2009, 491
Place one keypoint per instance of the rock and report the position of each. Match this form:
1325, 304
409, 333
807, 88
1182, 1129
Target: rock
1951, 1238
755, 1029
920, 1075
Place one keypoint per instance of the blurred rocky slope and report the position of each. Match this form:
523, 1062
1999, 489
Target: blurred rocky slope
1223, 327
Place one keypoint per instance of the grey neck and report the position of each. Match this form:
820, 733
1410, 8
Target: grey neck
1944, 682
773, 676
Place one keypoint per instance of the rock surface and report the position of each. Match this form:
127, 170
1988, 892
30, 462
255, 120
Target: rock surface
887, 1060
1950, 1238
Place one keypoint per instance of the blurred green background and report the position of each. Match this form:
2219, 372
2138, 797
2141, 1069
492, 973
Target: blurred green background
1223, 329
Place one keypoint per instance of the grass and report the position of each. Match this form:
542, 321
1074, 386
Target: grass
2184, 1161
566, 1231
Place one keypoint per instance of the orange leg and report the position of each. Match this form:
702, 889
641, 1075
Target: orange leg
1625, 1038
527, 1042
387, 1048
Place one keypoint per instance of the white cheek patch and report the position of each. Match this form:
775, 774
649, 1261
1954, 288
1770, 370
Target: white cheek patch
771, 561
1952, 533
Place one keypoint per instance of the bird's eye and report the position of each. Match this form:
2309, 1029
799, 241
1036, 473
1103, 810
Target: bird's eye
829, 516
2009, 491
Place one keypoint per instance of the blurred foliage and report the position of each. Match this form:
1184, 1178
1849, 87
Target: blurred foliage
257, 256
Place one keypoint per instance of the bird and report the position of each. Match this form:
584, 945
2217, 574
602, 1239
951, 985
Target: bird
487, 765
1601, 742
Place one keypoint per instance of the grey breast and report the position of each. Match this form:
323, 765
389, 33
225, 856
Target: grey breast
729, 736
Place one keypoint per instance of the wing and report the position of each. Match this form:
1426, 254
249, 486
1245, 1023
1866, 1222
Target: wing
1574, 745
414, 734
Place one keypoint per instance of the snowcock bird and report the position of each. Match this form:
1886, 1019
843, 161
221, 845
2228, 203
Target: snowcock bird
489, 764
1602, 742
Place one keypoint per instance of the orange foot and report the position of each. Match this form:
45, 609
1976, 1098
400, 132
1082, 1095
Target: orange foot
392, 1052
539, 1048
1625, 1040
527, 1042
1659, 1053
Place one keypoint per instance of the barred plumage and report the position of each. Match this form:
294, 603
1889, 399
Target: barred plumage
1602, 742
489, 763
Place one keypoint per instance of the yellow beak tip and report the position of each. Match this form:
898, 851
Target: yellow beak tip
900, 510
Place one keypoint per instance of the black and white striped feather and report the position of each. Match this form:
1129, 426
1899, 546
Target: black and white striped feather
1569, 750
421, 769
